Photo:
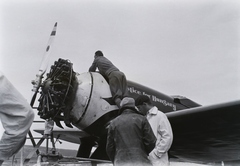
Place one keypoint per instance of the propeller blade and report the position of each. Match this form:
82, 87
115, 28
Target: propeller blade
44, 64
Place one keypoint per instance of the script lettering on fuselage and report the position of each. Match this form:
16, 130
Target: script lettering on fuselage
154, 98
164, 102
133, 90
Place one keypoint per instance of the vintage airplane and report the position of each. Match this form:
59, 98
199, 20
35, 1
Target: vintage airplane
202, 134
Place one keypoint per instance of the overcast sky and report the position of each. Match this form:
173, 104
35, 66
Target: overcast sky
188, 48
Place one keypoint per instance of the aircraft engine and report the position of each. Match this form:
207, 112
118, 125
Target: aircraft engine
83, 100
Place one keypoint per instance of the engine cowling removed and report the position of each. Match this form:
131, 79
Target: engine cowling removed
58, 93
83, 100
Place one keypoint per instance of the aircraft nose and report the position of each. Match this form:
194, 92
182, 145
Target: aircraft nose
58, 92
92, 100
80, 100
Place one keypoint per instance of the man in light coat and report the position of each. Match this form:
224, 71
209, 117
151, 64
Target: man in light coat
161, 128
16, 116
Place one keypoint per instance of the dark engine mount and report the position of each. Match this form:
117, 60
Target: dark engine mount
58, 93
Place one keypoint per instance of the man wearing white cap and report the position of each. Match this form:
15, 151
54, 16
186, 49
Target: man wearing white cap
130, 137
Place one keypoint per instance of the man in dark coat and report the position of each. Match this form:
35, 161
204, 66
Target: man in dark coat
130, 137
116, 78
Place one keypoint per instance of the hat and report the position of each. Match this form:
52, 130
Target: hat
141, 99
127, 102
99, 53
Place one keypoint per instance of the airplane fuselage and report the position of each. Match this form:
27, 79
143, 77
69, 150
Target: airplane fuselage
93, 107
85, 101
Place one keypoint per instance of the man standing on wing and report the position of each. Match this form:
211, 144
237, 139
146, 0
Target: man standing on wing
116, 78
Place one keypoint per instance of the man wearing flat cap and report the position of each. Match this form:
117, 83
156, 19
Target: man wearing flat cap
130, 137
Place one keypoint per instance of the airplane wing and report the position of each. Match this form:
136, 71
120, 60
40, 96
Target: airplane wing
202, 134
207, 134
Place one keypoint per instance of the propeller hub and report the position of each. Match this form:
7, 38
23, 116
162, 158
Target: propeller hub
46, 86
